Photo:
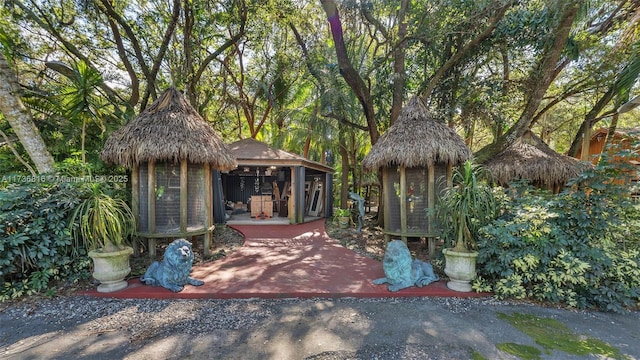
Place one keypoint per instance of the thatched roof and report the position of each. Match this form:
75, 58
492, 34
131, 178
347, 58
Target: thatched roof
416, 140
251, 152
168, 130
531, 159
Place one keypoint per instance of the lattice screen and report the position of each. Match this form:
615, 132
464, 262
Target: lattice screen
417, 204
392, 199
167, 198
196, 212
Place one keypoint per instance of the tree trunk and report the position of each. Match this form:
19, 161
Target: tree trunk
350, 75
19, 119
589, 121
399, 62
344, 189
540, 80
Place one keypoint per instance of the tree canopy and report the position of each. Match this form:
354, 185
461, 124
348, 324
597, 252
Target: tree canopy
319, 77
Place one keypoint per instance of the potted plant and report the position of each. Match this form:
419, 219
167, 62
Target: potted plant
461, 211
344, 217
103, 224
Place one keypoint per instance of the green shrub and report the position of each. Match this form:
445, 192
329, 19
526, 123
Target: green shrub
35, 241
579, 248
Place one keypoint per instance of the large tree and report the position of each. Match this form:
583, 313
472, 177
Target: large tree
19, 118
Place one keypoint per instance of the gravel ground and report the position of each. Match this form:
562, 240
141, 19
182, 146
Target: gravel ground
77, 327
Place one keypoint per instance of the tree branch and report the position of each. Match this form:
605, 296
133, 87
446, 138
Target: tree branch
151, 80
465, 50
350, 75
9, 143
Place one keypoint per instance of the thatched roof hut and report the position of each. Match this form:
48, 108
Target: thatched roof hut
170, 130
416, 140
531, 159
172, 153
416, 156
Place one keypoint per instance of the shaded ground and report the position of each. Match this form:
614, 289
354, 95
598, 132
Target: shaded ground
370, 243
291, 261
78, 327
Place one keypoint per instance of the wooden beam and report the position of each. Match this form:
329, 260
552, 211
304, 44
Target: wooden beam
135, 204
431, 204
151, 206
184, 194
385, 195
291, 207
403, 203
208, 205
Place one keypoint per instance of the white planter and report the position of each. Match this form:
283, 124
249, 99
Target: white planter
460, 267
110, 268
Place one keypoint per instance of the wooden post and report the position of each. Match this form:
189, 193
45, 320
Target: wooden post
403, 203
208, 205
586, 142
385, 194
184, 194
431, 204
151, 203
291, 206
135, 205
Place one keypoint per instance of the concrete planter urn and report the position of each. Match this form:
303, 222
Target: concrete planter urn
111, 268
343, 216
343, 222
463, 209
460, 267
103, 224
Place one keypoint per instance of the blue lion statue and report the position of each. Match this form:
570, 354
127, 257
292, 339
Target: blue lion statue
402, 272
174, 269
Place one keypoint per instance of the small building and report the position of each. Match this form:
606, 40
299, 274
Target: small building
416, 156
171, 151
623, 140
272, 183
529, 158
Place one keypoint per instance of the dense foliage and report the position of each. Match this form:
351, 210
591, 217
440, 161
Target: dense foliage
579, 248
35, 242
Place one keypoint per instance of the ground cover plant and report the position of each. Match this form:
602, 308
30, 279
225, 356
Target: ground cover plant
35, 242
578, 249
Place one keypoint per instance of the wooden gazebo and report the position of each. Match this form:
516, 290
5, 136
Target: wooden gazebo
299, 187
416, 156
171, 152
529, 158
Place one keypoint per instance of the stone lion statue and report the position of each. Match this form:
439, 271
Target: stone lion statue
401, 272
174, 269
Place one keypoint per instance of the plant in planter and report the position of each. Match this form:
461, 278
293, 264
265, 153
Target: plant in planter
344, 217
103, 224
461, 211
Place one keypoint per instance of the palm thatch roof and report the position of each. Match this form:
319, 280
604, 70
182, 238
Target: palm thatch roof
416, 140
169, 130
251, 152
531, 159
